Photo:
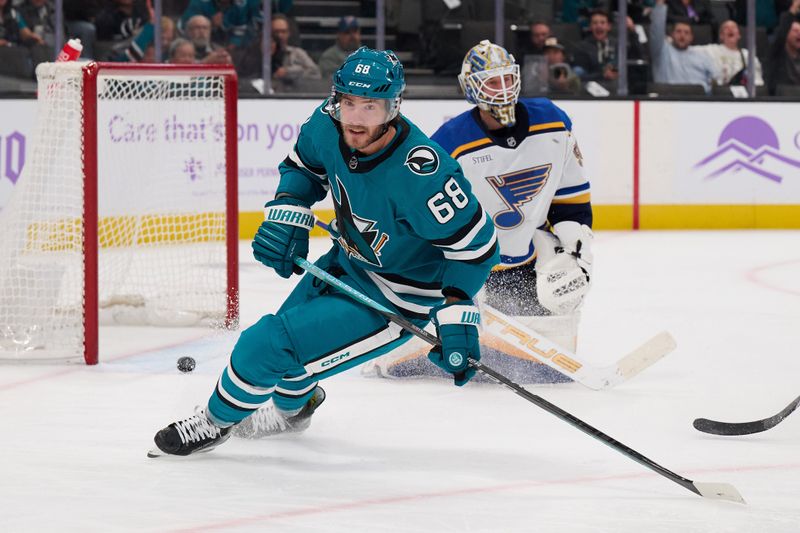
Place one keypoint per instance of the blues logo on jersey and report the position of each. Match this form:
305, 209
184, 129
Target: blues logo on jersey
357, 236
516, 189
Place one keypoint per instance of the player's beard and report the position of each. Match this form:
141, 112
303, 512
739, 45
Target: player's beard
362, 136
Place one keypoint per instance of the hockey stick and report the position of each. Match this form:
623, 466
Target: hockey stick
720, 491
562, 360
744, 428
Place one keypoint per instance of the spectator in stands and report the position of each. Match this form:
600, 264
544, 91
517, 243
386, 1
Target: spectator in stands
198, 31
767, 12
233, 22
561, 78
694, 11
296, 62
79, 16
348, 39
596, 55
138, 49
249, 63
784, 64
578, 11
39, 17
13, 30
677, 62
731, 61
181, 52
121, 20
540, 32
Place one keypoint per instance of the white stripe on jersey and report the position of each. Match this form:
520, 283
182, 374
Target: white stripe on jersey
467, 240
466, 255
407, 289
396, 300
293, 155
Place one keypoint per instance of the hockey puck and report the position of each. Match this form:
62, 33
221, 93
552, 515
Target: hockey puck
186, 364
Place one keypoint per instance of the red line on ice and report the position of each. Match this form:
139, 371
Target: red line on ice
752, 276
390, 500
81, 366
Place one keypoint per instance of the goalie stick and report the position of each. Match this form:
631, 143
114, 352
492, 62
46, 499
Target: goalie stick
539, 348
744, 428
720, 491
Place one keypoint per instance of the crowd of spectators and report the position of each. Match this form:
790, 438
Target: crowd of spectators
675, 46
569, 48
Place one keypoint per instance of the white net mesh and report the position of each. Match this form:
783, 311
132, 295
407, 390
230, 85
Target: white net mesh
161, 210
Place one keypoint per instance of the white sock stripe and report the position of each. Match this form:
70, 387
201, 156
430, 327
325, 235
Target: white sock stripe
227, 395
291, 392
291, 215
246, 387
459, 314
298, 378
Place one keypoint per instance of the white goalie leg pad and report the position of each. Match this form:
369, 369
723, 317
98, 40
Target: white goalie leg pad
411, 349
562, 330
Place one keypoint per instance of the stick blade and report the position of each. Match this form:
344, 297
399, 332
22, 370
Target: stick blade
646, 355
718, 491
727, 429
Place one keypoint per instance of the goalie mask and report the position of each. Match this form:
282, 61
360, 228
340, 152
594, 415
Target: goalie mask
375, 82
490, 79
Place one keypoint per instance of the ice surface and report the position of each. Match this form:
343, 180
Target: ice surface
419, 456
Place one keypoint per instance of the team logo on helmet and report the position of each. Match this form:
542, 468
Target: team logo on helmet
422, 160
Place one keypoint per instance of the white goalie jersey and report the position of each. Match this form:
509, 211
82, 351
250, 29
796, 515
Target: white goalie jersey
525, 176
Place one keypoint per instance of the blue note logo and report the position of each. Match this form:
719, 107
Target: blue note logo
422, 160
517, 189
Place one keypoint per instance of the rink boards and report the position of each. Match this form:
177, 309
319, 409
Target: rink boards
652, 165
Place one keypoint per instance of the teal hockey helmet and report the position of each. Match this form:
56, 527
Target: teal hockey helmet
369, 74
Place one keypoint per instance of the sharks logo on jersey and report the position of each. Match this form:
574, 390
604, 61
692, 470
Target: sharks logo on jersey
358, 236
422, 160
516, 189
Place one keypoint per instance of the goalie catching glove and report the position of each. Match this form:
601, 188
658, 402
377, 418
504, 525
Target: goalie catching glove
563, 266
283, 235
457, 327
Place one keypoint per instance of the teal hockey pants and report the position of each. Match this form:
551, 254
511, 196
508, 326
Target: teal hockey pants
317, 333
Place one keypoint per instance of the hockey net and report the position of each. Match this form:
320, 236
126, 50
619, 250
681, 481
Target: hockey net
126, 208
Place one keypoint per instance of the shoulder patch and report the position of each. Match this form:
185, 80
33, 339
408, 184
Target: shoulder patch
422, 160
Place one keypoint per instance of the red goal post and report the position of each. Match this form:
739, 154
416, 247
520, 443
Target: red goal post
127, 209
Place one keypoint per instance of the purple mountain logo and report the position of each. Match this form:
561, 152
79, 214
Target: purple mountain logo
748, 144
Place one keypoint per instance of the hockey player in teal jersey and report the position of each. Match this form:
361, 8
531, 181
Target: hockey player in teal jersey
408, 233
526, 169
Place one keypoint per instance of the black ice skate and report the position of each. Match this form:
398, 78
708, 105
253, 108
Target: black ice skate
268, 420
192, 435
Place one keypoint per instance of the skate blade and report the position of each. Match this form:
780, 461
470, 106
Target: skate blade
155, 452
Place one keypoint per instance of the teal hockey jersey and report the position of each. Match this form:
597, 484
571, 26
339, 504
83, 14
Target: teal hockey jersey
407, 225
